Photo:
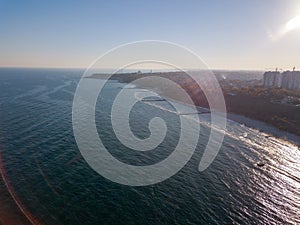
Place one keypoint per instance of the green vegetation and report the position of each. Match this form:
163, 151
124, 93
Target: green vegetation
278, 107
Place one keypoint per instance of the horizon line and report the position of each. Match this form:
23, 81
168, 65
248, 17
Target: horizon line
138, 69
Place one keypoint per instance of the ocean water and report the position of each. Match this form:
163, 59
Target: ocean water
44, 171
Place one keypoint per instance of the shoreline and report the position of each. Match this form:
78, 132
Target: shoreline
269, 129
261, 126
253, 123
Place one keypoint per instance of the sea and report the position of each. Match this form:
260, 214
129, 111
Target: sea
49, 182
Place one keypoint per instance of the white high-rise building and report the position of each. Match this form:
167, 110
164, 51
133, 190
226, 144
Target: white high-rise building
288, 79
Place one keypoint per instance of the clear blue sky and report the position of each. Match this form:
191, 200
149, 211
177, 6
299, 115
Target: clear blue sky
226, 34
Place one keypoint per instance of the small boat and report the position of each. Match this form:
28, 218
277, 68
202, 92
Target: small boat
260, 164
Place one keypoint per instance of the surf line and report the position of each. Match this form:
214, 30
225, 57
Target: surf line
151, 103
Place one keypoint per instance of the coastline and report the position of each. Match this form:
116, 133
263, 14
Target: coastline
253, 123
269, 129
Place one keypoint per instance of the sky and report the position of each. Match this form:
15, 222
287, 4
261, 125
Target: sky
226, 34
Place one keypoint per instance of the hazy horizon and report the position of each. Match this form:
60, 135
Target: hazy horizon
227, 35
132, 69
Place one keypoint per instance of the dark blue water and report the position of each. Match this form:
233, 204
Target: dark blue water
51, 179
